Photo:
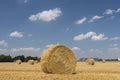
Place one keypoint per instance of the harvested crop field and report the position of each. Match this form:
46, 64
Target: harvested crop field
25, 71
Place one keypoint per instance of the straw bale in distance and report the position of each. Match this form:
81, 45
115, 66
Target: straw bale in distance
31, 62
18, 61
36, 61
90, 61
58, 59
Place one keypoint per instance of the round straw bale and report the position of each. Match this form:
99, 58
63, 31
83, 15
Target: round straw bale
31, 62
90, 61
18, 61
36, 61
58, 59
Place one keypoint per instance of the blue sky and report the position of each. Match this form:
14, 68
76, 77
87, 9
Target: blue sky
91, 28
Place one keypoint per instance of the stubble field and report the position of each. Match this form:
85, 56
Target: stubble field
24, 71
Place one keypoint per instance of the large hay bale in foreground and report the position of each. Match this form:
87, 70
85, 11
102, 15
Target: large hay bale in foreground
58, 59
31, 62
90, 61
18, 61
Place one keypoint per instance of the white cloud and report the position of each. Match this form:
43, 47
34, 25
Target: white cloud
115, 38
114, 50
28, 51
49, 45
46, 16
3, 50
25, 49
16, 34
118, 10
95, 51
99, 37
91, 35
3, 43
81, 20
76, 49
114, 45
95, 18
25, 1
79, 37
109, 11
84, 36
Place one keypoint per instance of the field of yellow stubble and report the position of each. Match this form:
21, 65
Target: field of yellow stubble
24, 71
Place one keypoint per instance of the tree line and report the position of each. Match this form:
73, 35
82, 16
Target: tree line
8, 58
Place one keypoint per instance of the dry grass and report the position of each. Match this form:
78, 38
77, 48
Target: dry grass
100, 71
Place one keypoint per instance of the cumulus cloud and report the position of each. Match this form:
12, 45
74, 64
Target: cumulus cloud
49, 45
25, 1
95, 51
2, 50
76, 49
114, 50
91, 35
80, 21
25, 49
118, 10
47, 15
84, 36
108, 12
115, 38
28, 51
99, 37
16, 34
3, 43
95, 18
